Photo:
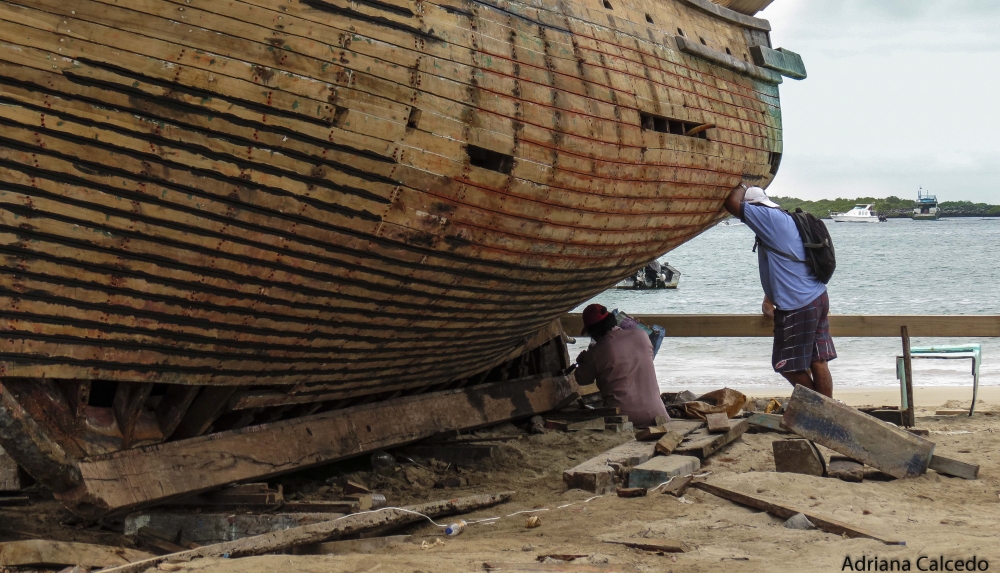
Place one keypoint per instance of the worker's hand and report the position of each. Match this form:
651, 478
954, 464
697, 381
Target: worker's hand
583, 357
767, 307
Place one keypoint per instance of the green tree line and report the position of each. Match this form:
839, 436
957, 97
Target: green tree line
889, 206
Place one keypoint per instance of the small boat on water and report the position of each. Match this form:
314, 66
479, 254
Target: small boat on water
926, 208
655, 275
859, 214
731, 222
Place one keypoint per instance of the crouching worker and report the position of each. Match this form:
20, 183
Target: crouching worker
621, 362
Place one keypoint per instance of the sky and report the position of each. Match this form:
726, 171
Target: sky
900, 94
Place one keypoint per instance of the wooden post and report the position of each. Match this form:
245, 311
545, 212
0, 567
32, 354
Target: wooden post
910, 415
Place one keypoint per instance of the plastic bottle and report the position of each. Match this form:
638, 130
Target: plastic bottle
455, 528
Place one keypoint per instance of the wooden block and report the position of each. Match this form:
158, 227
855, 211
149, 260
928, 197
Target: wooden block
650, 434
787, 511
950, 467
40, 552
10, 475
631, 492
615, 419
662, 468
770, 422
798, 456
856, 434
668, 443
951, 412
661, 420
364, 500
619, 428
575, 426
717, 423
845, 469
677, 486
351, 487
140, 476
597, 475
703, 444
369, 545
656, 545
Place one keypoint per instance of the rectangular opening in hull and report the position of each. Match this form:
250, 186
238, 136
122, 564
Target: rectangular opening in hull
492, 160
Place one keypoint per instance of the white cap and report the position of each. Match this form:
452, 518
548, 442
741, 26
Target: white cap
756, 196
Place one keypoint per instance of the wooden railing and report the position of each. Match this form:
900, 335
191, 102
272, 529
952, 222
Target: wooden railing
862, 325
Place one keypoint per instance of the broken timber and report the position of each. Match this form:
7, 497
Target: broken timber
702, 444
132, 478
856, 434
787, 511
656, 545
955, 468
320, 532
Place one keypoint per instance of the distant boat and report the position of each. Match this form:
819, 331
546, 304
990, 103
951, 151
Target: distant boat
730, 223
654, 275
926, 208
859, 214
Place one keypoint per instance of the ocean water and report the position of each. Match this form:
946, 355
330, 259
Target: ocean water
900, 267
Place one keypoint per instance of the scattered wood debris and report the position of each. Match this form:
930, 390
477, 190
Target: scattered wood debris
798, 456
717, 422
368, 545
655, 545
845, 469
631, 492
955, 468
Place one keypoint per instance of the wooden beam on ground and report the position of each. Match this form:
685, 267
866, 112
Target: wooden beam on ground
657, 545
866, 326
127, 406
320, 532
955, 468
212, 526
786, 511
909, 416
856, 435
39, 552
133, 478
770, 422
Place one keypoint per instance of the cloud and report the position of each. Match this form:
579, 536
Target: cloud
900, 93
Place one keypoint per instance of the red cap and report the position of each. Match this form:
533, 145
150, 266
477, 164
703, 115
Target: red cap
593, 314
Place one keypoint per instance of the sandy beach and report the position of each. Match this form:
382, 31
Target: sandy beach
935, 515
927, 398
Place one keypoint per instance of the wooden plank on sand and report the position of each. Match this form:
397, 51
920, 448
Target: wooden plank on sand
657, 545
856, 434
950, 467
320, 532
140, 476
786, 511
703, 444
36, 552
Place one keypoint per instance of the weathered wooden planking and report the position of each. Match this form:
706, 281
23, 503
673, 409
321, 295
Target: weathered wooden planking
856, 325
856, 434
133, 478
37, 552
786, 511
597, 475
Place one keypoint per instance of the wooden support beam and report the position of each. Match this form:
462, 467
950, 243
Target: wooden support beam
855, 325
909, 416
77, 394
141, 476
786, 511
856, 434
129, 401
174, 404
320, 532
955, 468
210, 403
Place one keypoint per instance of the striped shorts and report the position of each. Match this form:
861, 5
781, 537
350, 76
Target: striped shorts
802, 336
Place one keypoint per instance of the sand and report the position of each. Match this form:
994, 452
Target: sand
935, 515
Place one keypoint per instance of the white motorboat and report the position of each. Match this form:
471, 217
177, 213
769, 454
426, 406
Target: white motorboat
859, 214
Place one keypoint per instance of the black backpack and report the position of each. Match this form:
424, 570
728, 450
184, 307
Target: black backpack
820, 255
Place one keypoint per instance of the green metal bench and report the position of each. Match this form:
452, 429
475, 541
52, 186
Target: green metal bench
970, 351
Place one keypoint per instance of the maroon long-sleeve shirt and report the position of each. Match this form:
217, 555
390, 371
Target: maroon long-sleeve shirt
622, 365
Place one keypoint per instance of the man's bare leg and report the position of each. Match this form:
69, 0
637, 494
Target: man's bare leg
803, 377
822, 379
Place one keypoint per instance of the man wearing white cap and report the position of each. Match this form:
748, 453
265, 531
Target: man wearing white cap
802, 342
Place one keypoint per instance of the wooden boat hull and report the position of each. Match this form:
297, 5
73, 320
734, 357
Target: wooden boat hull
277, 207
